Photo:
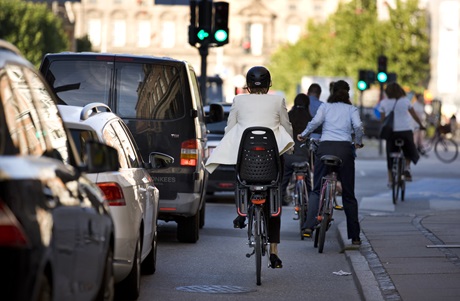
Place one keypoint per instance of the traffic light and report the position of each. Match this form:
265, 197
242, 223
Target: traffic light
362, 80
203, 31
192, 38
199, 30
220, 33
382, 75
365, 79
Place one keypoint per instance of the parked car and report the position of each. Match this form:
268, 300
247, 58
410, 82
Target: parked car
130, 191
56, 231
159, 100
224, 177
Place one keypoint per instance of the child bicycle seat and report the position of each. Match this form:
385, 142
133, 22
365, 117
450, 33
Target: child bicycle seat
258, 161
258, 169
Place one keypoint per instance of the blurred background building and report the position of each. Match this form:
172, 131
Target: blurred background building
257, 28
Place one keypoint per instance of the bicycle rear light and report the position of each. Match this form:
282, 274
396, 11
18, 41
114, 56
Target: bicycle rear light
258, 148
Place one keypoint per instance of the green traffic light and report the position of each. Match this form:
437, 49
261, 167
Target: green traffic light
202, 34
221, 35
362, 85
382, 77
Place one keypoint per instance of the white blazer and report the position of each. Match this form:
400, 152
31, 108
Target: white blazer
250, 110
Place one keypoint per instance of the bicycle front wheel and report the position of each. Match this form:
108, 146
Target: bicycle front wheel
446, 150
258, 243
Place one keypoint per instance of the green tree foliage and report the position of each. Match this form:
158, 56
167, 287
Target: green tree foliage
33, 28
352, 39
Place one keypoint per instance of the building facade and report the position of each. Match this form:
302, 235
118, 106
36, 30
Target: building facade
257, 28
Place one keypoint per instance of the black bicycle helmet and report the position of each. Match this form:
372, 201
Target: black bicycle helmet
258, 77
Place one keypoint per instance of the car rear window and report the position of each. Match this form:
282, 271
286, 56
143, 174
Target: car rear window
149, 91
80, 82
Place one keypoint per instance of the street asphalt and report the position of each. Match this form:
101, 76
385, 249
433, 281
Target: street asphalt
411, 250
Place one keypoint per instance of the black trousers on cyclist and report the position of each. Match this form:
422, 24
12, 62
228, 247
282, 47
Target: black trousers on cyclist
409, 149
346, 174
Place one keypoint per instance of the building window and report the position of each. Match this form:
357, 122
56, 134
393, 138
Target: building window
168, 33
94, 32
256, 34
119, 33
143, 33
293, 34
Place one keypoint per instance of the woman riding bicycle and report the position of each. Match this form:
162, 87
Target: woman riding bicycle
255, 109
340, 120
402, 128
299, 116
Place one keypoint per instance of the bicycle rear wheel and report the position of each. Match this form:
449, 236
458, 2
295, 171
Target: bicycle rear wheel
403, 189
258, 243
325, 217
302, 195
446, 150
322, 232
394, 180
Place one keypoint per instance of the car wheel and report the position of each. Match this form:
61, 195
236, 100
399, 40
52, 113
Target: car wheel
107, 288
129, 288
187, 228
149, 263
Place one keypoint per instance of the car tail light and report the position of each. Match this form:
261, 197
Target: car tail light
189, 152
113, 194
11, 232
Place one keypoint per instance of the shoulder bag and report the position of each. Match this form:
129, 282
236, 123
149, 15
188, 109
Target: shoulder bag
386, 130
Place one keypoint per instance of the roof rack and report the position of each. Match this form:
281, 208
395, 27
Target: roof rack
7, 45
93, 109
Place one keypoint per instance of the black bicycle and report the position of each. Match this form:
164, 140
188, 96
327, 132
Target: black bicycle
258, 188
326, 200
398, 181
445, 148
299, 192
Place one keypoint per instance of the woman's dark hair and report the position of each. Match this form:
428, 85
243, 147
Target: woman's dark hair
300, 114
340, 96
394, 90
339, 92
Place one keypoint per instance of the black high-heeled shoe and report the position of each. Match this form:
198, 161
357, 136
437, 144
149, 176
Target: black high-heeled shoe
275, 262
239, 222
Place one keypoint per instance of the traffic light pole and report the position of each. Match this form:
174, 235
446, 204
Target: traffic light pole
204, 51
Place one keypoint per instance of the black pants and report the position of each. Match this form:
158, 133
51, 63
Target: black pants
346, 174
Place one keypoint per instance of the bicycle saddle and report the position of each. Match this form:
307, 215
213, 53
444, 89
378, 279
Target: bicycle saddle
300, 165
331, 160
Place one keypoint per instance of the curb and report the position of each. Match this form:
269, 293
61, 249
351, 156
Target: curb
365, 280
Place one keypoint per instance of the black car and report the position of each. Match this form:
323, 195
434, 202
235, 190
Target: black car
56, 232
160, 101
224, 177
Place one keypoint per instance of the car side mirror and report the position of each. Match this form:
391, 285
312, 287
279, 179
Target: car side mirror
216, 113
100, 157
160, 160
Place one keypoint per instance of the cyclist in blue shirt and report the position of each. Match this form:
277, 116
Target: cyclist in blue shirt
340, 119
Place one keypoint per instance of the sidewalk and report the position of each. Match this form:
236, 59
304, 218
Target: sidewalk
408, 253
